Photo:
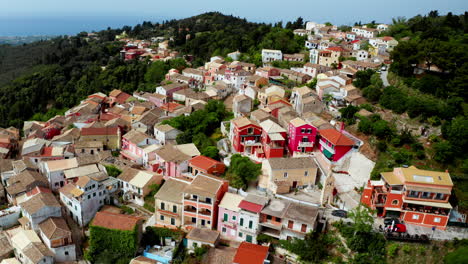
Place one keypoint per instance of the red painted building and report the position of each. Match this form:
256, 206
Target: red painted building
246, 135
273, 139
416, 196
202, 164
334, 144
302, 136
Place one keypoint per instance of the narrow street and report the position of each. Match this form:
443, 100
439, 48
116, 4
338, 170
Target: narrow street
383, 76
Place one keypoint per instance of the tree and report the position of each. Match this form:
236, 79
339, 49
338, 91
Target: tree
244, 169
211, 151
362, 218
443, 152
363, 78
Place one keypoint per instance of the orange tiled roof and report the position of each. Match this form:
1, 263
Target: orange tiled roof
203, 162
249, 253
115, 221
335, 137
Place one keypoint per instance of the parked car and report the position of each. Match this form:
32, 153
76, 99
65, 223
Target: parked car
340, 213
384, 68
388, 221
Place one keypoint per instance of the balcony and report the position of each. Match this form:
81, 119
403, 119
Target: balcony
426, 209
272, 225
306, 144
204, 212
328, 148
271, 232
251, 143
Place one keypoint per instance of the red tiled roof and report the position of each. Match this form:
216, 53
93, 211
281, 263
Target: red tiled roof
249, 253
256, 208
47, 151
38, 189
115, 221
93, 131
387, 38
203, 162
335, 137
170, 107
336, 49
354, 41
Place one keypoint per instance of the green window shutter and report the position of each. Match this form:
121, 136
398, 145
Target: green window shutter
250, 224
225, 217
327, 153
242, 221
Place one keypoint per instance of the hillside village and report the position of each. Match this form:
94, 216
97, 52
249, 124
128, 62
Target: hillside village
129, 177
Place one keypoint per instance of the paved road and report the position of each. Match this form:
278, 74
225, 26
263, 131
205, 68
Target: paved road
383, 76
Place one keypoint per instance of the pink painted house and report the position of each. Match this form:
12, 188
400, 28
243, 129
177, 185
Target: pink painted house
170, 161
228, 215
302, 136
133, 144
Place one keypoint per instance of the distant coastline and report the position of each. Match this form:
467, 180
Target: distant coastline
56, 26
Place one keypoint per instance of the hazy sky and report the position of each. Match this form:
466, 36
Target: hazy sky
335, 11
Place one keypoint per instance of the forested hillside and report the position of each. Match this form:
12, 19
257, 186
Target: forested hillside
58, 73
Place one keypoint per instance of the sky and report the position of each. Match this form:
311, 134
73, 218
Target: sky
23, 17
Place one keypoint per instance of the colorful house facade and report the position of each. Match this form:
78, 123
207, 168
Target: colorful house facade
334, 144
419, 197
245, 135
302, 136
228, 216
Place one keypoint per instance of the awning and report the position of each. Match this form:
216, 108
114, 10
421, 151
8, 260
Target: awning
432, 204
327, 153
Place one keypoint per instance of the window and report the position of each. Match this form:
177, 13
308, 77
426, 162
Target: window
66, 253
161, 217
172, 221
439, 196
94, 194
248, 238
208, 200
242, 222
225, 218
234, 218
224, 230
285, 175
89, 196
437, 220
250, 224
395, 202
303, 130
415, 217
250, 130
194, 220
240, 234
309, 130
195, 244
163, 206
304, 228
306, 173
174, 209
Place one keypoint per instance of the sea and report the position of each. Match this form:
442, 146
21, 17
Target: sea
55, 26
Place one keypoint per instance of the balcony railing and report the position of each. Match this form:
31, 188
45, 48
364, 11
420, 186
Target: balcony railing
306, 144
207, 213
325, 146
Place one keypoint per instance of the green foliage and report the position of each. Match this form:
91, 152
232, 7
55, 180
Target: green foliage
392, 250
112, 170
288, 64
348, 114
362, 218
154, 235
311, 249
211, 151
363, 78
48, 115
113, 246
242, 171
262, 238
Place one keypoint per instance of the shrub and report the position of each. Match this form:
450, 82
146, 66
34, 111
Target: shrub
406, 248
392, 249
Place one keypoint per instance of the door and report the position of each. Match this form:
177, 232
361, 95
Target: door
203, 222
290, 224
248, 238
294, 185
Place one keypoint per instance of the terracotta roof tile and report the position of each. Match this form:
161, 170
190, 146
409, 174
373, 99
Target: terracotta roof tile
249, 253
115, 221
335, 137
